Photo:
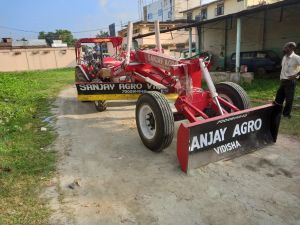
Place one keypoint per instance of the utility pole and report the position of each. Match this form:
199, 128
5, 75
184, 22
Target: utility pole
238, 46
190, 41
157, 36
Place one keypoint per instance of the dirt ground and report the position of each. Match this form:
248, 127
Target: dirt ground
106, 176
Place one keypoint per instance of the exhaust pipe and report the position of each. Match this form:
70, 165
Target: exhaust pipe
157, 36
129, 42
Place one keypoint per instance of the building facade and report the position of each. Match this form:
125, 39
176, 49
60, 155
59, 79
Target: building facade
210, 9
265, 25
168, 10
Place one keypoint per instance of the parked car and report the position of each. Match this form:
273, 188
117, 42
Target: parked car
259, 62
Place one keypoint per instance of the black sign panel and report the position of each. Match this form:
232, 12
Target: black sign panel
115, 88
248, 129
230, 136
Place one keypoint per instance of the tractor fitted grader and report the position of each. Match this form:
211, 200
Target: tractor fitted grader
216, 123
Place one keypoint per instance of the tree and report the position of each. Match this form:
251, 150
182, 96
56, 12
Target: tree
66, 36
102, 34
41, 35
60, 34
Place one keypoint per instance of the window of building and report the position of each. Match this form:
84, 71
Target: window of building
203, 14
219, 10
169, 14
180, 45
160, 12
165, 46
150, 16
198, 18
189, 16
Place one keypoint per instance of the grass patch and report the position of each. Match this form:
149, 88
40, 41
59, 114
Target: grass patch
25, 100
264, 90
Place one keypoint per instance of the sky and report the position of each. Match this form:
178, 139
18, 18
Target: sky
77, 16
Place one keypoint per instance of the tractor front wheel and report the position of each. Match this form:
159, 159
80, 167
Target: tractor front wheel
234, 94
155, 121
100, 105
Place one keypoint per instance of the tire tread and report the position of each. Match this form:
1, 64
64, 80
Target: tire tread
102, 105
242, 93
167, 116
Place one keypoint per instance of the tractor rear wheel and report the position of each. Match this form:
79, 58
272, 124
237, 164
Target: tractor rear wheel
234, 94
100, 105
155, 121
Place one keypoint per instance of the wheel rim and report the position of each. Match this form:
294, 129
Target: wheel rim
147, 121
96, 103
226, 98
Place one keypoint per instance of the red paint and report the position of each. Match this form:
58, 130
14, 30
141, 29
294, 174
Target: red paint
183, 147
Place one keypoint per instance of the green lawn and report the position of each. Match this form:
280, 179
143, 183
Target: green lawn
25, 161
25, 100
264, 90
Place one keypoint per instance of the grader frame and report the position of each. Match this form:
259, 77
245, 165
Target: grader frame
219, 122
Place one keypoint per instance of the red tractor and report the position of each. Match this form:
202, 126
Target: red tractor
93, 65
218, 122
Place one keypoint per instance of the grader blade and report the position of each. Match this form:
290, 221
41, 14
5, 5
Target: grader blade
227, 136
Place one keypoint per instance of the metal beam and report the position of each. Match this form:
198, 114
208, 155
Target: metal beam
238, 45
225, 43
129, 42
264, 30
157, 36
190, 42
198, 39
239, 14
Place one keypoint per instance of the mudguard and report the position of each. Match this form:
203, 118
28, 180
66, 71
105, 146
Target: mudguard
227, 136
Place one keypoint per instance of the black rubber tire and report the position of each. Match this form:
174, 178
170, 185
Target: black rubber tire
100, 105
164, 120
79, 76
235, 93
